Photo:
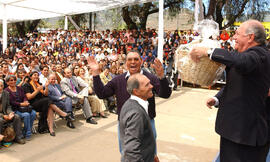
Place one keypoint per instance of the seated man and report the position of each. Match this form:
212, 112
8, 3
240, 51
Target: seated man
7, 115
59, 99
70, 85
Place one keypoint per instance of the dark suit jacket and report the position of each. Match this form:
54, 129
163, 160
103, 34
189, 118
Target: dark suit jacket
136, 136
6, 107
242, 115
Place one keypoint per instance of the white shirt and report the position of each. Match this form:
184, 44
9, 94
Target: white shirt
142, 102
42, 79
128, 74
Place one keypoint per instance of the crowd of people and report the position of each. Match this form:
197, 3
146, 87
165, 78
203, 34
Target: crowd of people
48, 72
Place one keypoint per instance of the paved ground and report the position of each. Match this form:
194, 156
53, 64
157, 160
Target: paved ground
185, 128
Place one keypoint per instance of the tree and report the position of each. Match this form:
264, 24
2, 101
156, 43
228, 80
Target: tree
26, 26
235, 9
136, 16
110, 19
231, 10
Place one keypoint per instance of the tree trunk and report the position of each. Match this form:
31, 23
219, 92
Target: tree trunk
33, 24
231, 21
90, 21
76, 19
144, 15
127, 18
143, 21
211, 9
20, 28
219, 17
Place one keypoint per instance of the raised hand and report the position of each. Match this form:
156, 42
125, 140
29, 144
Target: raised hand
47, 84
93, 65
159, 68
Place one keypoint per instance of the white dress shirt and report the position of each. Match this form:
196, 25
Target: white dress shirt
142, 102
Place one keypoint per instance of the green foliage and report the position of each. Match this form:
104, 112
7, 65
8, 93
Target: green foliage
235, 10
44, 24
257, 9
111, 19
137, 14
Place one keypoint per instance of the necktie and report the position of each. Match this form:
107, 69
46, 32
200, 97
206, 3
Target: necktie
73, 87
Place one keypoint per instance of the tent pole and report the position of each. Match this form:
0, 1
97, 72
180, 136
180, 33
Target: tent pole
160, 30
4, 29
66, 23
74, 23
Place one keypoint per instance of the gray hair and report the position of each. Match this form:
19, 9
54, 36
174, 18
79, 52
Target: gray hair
258, 30
52, 74
133, 83
9, 77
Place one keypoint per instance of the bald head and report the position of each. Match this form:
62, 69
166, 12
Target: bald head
255, 27
133, 82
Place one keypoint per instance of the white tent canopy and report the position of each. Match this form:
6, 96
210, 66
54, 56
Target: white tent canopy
21, 10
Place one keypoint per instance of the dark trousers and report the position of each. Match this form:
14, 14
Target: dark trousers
42, 106
16, 123
234, 152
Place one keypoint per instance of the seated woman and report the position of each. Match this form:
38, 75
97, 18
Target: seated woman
97, 105
37, 96
8, 116
20, 105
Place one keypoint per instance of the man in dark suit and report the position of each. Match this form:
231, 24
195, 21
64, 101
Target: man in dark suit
242, 119
137, 139
59, 99
8, 116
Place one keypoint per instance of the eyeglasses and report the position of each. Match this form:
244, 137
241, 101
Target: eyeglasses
12, 80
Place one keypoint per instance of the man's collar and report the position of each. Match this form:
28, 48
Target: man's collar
142, 102
128, 74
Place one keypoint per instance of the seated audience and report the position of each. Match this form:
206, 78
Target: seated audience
37, 96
